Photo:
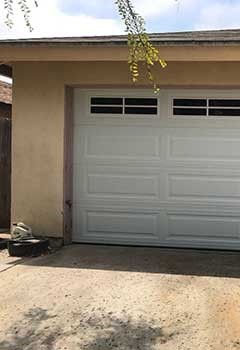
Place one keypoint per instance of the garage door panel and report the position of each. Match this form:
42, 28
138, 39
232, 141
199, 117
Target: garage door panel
124, 185
115, 224
155, 184
182, 226
126, 223
116, 182
115, 143
122, 146
195, 187
158, 227
203, 148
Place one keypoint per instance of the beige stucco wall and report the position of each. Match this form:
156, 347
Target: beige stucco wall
38, 125
182, 53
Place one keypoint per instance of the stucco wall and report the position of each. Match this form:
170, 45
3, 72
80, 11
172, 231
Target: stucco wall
38, 125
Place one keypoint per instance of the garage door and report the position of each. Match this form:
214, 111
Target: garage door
161, 170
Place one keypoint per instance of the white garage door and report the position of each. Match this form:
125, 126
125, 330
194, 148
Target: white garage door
159, 170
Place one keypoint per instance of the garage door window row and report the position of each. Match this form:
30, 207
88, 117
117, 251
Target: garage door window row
201, 107
206, 107
124, 105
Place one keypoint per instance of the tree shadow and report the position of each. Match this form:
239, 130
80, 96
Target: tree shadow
98, 330
126, 334
27, 334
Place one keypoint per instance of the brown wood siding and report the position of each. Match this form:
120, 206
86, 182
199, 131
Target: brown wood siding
5, 172
5, 110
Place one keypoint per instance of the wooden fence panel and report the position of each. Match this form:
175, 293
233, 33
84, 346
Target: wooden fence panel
5, 172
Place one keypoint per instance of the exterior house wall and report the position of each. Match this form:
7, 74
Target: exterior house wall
38, 124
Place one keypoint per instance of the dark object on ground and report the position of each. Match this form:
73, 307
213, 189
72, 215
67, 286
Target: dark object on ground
27, 247
3, 243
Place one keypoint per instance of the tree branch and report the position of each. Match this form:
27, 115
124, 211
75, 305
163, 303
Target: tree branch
140, 46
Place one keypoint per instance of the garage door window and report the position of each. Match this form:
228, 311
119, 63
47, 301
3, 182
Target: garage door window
189, 106
224, 107
107, 105
206, 107
124, 106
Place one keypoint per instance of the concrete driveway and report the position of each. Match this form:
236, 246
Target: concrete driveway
101, 298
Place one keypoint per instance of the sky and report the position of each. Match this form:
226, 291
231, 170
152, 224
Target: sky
55, 18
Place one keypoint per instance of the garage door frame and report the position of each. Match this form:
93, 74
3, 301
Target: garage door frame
68, 169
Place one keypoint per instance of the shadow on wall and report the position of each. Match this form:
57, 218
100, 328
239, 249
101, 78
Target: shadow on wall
143, 259
38, 330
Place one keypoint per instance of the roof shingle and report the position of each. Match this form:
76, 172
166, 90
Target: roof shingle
210, 37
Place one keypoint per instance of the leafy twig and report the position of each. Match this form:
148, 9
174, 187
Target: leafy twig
25, 9
140, 47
